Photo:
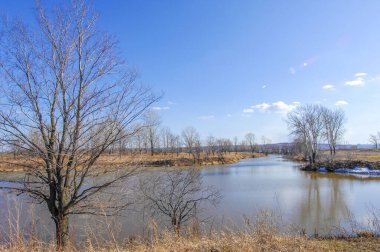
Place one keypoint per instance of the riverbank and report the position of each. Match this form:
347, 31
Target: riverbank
10, 163
343, 159
176, 160
335, 165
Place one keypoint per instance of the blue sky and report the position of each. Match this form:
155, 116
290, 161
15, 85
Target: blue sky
232, 67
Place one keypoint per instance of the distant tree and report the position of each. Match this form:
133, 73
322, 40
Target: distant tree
178, 195
190, 138
374, 139
264, 146
333, 121
250, 141
211, 145
166, 139
151, 122
236, 144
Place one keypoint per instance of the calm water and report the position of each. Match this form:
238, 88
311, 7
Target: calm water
313, 202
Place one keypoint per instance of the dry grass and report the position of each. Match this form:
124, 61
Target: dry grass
345, 155
261, 234
226, 241
9, 163
221, 241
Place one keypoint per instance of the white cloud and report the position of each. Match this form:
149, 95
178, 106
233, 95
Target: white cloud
276, 107
161, 108
282, 107
171, 103
328, 86
357, 82
360, 74
263, 86
208, 117
263, 106
341, 103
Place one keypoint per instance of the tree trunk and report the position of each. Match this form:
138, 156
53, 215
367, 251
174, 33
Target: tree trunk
62, 231
176, 226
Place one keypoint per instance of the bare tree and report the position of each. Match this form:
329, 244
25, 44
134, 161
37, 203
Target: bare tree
306, 124
152, 122
66, 83
236, 144
167, 140
177, 195
333, 121
264, 146
190, 137
250, 141
211, 145
374, 139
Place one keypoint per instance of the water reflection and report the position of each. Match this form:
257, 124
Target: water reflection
314, 202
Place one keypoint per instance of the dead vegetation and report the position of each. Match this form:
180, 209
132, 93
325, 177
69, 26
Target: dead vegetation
353, 155
11, 163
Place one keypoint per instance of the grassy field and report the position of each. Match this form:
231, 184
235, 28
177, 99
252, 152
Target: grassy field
364, 155
254, 240
8, 162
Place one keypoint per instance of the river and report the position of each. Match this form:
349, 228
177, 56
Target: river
310, 202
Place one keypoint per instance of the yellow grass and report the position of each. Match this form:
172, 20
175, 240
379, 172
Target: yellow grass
222, 241
10, 163
362, 155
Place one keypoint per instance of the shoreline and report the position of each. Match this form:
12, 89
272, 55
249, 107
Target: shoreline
144, 160
334, 166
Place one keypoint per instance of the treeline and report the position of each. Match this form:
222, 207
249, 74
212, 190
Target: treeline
153, 138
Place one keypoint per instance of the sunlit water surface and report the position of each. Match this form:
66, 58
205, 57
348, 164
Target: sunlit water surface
309, 202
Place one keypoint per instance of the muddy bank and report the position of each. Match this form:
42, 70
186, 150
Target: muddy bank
333, 166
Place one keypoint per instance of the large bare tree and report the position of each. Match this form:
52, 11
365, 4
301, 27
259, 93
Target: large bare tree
65, 84
306, 123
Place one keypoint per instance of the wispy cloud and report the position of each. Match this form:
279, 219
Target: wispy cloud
358, 81
341, 103
361, 75
328, 86
263, 86
170, 103
207, 117
263, 106
161, 108
276, 107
